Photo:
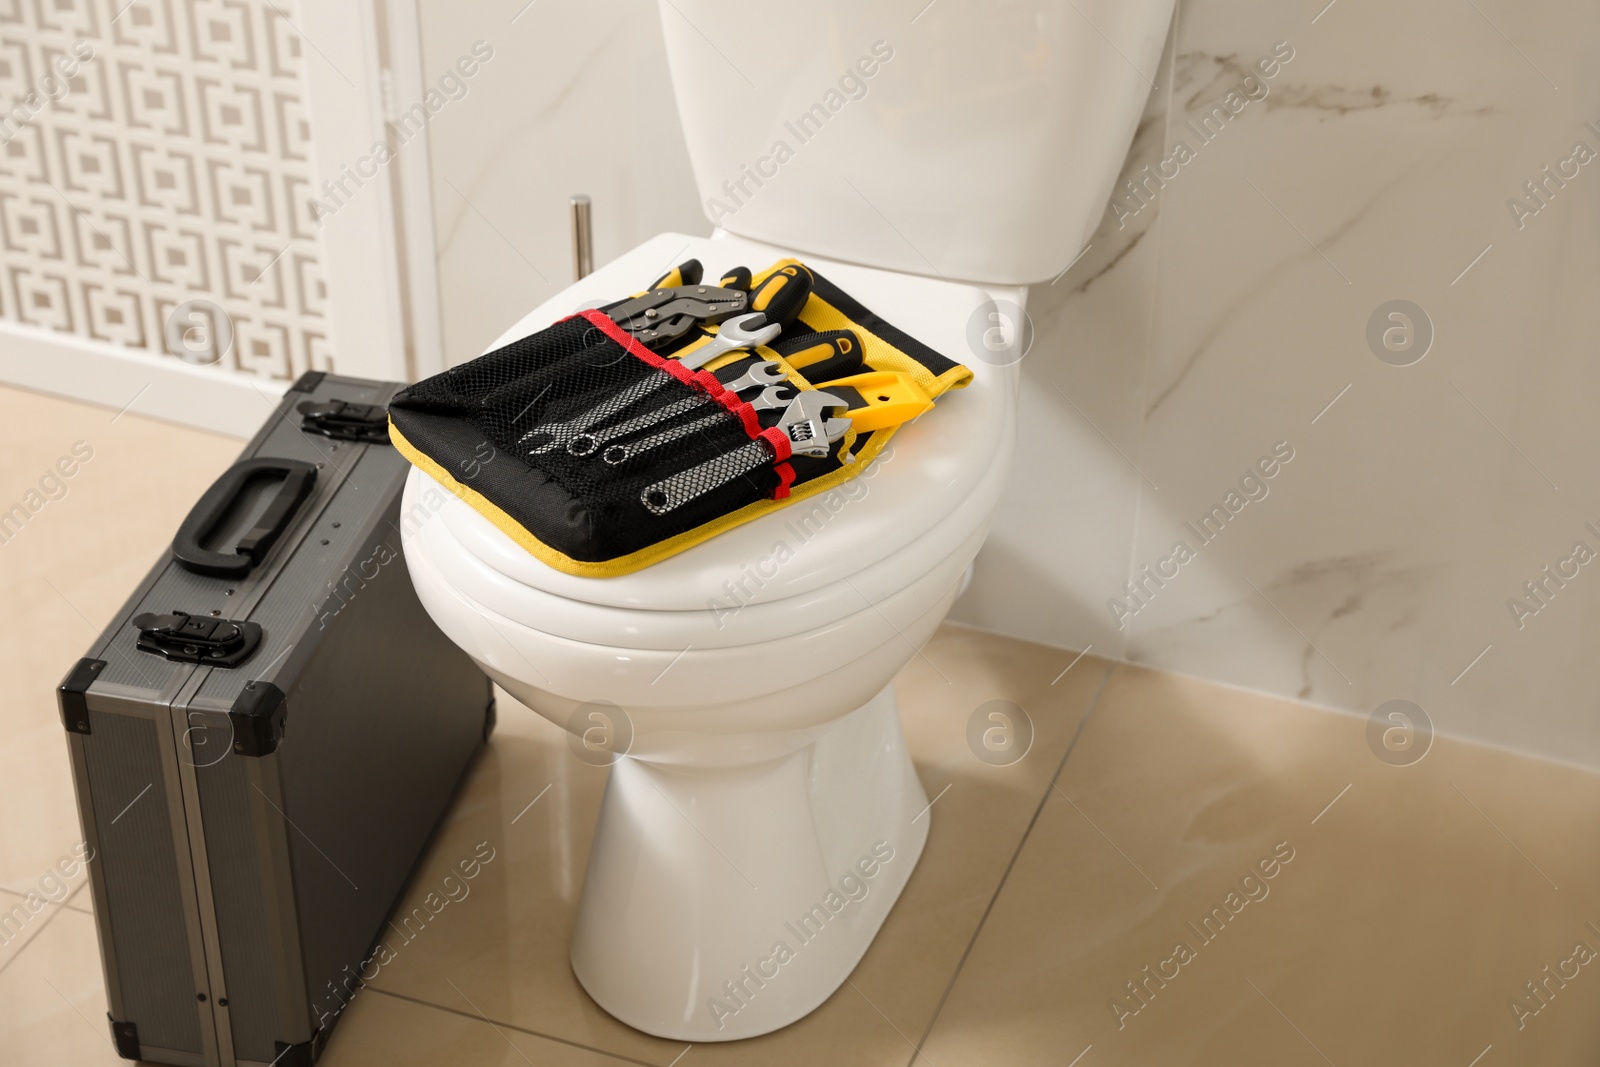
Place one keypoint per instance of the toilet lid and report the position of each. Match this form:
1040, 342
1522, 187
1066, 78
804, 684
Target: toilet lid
931, 468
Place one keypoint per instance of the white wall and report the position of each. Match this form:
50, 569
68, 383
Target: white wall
159, 248
1226, 315
575, 100
1220, 319
154, 161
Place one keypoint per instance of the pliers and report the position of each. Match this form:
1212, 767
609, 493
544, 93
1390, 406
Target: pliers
664, 315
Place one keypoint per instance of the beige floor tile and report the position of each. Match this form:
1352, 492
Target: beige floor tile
23, 916
505, 946
66, 571
1417, 905
977, 826
53, 1012
1412, 912
41, 824
52, 1000
381, 1029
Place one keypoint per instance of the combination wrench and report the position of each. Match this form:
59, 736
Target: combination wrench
743, 331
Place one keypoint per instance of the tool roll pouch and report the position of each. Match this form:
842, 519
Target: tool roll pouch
514, 433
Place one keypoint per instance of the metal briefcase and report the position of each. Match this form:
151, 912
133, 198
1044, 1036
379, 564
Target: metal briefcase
263, 741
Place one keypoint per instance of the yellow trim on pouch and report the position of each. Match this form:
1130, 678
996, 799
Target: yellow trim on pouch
915, 386
633, 561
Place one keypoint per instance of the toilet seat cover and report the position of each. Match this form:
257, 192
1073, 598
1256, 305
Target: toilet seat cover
931, 466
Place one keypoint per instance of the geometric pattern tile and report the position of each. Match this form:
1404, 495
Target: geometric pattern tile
155, 153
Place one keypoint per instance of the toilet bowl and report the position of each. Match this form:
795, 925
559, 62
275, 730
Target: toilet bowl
751, 677
762, 813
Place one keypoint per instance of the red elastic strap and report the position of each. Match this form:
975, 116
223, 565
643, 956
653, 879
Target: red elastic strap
782, 449
746, 413
602, 322
707, 383
778, 441
710, 384
703, 380
785, 480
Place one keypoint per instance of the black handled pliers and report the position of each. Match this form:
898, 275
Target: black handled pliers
664, 315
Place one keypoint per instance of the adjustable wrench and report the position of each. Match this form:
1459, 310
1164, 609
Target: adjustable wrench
811, 432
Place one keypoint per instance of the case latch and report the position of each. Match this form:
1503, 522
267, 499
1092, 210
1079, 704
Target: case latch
344, 421
197, 638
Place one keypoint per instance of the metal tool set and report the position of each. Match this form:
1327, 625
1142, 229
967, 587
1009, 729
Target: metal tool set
641, 428
262, 742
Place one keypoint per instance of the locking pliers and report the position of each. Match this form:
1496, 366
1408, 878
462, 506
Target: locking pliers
666, 314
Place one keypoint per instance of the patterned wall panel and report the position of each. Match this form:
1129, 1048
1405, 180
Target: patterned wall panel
153, 153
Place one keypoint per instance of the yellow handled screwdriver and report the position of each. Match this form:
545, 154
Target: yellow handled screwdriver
822, 356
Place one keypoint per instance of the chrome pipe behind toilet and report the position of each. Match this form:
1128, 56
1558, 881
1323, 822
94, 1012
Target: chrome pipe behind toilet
582, 238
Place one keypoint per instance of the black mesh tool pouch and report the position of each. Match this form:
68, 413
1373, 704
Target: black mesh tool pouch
594, 453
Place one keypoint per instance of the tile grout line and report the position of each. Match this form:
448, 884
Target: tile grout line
509, 1026
977, 931
1151, 318
39, 929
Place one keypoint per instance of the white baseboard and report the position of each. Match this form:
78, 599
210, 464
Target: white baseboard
157, 387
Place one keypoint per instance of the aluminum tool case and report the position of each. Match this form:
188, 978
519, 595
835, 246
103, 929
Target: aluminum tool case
263, 741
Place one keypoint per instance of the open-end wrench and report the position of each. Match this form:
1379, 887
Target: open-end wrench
742, 331
585, 443
557, 434
805, 423
774, 396
735, 333
761, 375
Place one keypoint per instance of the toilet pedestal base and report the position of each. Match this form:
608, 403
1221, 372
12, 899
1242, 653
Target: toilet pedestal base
725, 903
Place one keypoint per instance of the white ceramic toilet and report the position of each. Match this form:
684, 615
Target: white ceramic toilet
767, 816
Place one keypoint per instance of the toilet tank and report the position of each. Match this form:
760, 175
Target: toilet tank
952, 138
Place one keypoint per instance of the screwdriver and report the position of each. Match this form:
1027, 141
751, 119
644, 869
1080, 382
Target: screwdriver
822, 356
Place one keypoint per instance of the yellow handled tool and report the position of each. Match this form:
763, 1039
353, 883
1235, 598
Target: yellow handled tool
686, 273
781, 294
822, 356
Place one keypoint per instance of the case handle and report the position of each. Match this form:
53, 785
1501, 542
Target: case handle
216, 502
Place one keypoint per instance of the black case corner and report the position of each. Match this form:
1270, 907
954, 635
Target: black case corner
308, 382
303, 1054
71, 694
257, 716
126, 1038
